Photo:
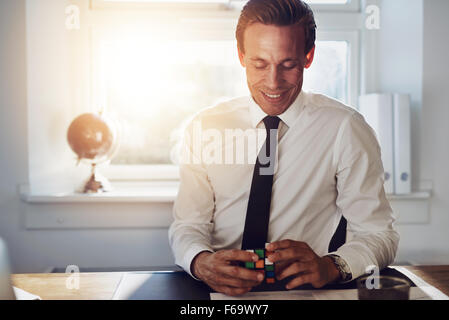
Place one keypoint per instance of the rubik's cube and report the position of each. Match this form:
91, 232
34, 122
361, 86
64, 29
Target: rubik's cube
263, 264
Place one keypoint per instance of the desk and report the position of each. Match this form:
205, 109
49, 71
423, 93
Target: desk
101, 286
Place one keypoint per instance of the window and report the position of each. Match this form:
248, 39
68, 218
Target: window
153, 83
154, 88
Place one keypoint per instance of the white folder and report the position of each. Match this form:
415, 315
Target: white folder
402, 143
377, 110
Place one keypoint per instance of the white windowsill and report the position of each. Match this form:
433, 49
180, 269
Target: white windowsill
144, 192
419, 195
123, 192
143, 203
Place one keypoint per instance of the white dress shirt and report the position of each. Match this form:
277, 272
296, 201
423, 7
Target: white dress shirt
328, 165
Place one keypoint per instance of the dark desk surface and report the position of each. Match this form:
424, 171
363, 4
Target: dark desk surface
173, 285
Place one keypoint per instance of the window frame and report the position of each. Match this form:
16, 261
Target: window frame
350, 6
336, 23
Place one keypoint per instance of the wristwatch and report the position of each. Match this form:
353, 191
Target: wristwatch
342, 266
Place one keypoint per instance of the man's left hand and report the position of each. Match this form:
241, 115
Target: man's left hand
295, 258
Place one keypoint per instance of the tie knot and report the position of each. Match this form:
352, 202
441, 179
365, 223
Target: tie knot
271, 122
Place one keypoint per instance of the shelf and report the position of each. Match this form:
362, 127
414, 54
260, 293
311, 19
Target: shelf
143, 192
421, 195
149, 205
135, 192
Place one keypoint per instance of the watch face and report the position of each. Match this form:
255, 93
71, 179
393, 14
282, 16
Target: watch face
343, 267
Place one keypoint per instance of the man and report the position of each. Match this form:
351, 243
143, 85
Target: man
327, 165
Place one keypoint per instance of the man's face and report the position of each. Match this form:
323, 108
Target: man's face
275, 59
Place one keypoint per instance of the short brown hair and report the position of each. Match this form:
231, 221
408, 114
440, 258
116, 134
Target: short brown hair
279, 13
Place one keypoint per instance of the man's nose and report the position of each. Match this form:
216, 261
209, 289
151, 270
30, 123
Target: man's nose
273, 78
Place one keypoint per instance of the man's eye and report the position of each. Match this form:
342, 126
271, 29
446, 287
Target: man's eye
260, 66
289, 65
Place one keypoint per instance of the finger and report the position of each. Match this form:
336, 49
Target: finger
291, 254
280, 266
251, 276
221, 273
236, 282
237, 291
302, 279
294, 268
234, 276
238, 255
284, 244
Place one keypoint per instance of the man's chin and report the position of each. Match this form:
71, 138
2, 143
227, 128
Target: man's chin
273, 109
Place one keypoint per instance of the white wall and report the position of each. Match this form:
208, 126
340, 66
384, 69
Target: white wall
410, 58
430, 243
13, 119
400, 61
423, 73
55, 92
36, 250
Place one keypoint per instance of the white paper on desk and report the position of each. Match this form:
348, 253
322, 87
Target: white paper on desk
350, 294
269, 295
24, 295
431, 291
292, 295
129, 284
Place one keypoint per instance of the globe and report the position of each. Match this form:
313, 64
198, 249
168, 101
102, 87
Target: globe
93, 138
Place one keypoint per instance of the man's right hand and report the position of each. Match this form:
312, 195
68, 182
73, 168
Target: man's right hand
221, 272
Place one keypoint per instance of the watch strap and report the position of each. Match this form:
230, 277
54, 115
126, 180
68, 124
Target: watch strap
342, 266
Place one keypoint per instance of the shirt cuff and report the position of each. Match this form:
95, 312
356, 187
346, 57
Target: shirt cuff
353, 261
190, 255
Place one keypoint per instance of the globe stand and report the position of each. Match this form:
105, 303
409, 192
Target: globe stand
97, 183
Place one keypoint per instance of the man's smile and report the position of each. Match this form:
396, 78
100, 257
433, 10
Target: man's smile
274, 97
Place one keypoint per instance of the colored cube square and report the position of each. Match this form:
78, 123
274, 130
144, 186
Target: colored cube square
260, 253
249, 265
269, 267
260, 264
270, 280
270, 274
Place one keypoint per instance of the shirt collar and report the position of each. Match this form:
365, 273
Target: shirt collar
288, 117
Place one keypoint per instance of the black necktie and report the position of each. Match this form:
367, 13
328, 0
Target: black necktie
258, 212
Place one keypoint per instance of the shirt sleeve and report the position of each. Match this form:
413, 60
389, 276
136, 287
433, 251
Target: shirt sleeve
362, 200
190, 232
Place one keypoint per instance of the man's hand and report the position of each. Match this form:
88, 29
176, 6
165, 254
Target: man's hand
294, 258
220, 271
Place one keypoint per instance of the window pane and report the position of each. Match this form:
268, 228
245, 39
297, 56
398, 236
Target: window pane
329, 71
153, 88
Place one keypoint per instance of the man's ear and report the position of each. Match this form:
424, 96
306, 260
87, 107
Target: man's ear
241, 57
309, 58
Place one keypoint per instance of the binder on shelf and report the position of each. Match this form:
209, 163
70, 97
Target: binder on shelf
377, 110
402, 144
